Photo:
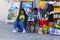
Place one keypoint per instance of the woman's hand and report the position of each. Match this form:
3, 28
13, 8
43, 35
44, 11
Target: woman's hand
21, 19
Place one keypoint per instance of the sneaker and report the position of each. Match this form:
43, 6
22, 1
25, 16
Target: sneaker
34, 31
24, 31
29, 31
14, 31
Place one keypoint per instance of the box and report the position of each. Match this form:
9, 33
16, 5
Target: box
51, 25
40, 31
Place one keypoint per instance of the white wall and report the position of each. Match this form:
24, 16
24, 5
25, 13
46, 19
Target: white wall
3, 10
36, 4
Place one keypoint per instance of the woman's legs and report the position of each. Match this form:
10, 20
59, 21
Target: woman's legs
25, 24
22, 26
16, 23
15, 26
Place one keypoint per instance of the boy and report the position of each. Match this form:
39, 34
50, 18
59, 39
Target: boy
32, 19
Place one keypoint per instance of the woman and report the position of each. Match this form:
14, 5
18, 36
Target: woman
20, 22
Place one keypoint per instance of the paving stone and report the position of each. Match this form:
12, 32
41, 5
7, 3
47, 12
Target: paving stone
6, 34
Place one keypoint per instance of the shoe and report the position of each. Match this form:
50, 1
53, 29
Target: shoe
34, 31
29, 31
14, 31
24, 31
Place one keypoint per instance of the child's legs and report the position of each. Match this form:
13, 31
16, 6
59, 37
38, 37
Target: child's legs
34, 24
29, 26
22, 25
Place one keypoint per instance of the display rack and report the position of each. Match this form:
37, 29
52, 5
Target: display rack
57, 11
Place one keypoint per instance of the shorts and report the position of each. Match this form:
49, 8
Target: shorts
30, 22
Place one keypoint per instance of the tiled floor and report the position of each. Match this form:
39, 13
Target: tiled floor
6, 34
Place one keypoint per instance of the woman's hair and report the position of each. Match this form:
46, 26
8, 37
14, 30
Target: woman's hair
24, 15
20, 12
23, 11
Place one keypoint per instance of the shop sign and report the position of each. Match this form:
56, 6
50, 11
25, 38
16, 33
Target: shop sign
26, 0
22, 0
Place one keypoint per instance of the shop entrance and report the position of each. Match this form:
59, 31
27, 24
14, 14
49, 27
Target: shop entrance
26, 6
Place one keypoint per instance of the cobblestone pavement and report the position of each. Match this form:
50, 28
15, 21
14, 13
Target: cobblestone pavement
6, 34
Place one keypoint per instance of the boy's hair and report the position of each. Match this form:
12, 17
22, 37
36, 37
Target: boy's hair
35, 9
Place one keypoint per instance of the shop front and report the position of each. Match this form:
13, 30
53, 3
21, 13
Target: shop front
15, 6
50, 21
49, 14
